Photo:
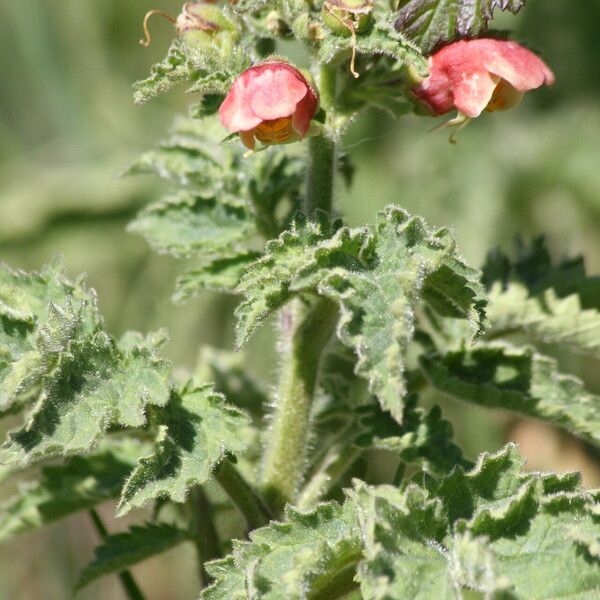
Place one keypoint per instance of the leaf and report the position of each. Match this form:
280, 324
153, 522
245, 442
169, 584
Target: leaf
430, 23
83, 382
210, 69
495, 530
188, 224
174, 69
424, 436
120, 551
376, 276
197, 429
220, 275
80, 484
228, 373
556, 304
306, 552
379, 40
517, 379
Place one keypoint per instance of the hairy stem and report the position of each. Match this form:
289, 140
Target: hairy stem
246, 499
132, 590
203, 531
305, 331
321, 151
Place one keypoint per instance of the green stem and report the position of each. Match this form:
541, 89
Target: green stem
131, 588
320, 175
247, 501
321, 151
306, 328
203, 530
305, 331
333, 466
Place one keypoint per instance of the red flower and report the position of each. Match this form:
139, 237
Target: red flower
483, 74
271, 102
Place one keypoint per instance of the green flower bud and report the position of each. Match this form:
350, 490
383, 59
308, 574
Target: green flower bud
200, 24
345, 17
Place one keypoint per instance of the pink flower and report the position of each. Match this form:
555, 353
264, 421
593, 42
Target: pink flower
271, 102
484, 74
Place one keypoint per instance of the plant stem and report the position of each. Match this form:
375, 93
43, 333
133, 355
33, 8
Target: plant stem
321, 151
333, 466
320, 175
202, 527
247, 501
132, 591
305, 331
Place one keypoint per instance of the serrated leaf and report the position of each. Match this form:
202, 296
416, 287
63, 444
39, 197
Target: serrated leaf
292, 559
83, 382
120, 551
424, 436
210, 69
517, 379
266, 284
189, 224
377, 278
231, 378
379, 40
197, 429
80, 484
557, 304
496, 530
220, 275
430, 23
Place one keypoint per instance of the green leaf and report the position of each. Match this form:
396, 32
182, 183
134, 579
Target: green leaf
424, 437
307, 553
197, 430
377, 276
220, 275
210, 69
174, 69
517, 379
80, 484
189, 224
496, 530
430, 23
266, 284
379, 40
120, 551
556, 304
82, 380
228, 373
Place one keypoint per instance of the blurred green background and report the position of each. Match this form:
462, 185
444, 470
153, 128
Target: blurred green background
68, 125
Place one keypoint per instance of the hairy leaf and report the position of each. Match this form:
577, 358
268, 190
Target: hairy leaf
424, 436
197, 429
123, 550
519, 379
306, 553
189, 224
430, 23
210, 70
379, 40
496, 530
83, 382
556, 304
377, 276
79, 484
220, 275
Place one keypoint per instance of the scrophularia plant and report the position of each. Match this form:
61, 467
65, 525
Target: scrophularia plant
274, 483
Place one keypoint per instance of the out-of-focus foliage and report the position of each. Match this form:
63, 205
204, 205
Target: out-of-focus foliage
68, 125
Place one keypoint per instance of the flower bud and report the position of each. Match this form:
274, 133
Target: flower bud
272, 102
199, 23
345, 16
483, 74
